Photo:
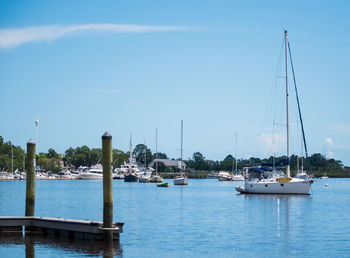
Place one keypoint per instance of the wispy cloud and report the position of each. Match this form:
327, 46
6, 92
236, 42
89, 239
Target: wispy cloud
112, 91
328, 146
10, 38
328, 141
271, 143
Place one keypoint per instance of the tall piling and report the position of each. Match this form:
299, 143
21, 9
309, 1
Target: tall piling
30, 187
107, 183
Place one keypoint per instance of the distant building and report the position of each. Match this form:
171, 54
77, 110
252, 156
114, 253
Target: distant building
169, 163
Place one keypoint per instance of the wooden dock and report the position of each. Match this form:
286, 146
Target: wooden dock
58, 227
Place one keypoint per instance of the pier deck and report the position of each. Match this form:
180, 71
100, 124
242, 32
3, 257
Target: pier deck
71, 228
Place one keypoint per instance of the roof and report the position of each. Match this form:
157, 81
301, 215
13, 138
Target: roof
168, 162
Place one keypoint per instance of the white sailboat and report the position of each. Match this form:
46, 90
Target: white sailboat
181, 179
132, 174
145, 176
156, 178
271, 180
236, 176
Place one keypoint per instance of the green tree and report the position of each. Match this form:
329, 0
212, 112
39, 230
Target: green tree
95, 156
159, 155
119, 157
227, 163
140, 151
9, 151
51, 153
198, 161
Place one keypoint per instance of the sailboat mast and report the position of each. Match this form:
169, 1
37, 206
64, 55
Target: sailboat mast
302, 155
12, 158
145, 156
130, 153
156, 150
181, 143
287, 111
235, 152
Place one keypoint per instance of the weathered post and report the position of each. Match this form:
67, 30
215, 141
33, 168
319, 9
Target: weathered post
29, 248
107, 184
30, 188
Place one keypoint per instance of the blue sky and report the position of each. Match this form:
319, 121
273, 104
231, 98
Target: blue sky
86, 67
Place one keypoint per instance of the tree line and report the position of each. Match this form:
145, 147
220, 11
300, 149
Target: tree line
84, 156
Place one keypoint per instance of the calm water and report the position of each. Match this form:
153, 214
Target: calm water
205, 218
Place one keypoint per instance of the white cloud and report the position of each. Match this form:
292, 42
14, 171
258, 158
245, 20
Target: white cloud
272, 143
328, 141
14, 37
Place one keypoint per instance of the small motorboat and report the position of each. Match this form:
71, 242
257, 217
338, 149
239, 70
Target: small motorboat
163, 185
241, 189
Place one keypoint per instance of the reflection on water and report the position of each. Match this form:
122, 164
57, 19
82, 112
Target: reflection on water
62, 246
276, 207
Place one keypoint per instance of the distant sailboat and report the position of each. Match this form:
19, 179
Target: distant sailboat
236, 176
181, 179
131, 175
156, 178
146, 175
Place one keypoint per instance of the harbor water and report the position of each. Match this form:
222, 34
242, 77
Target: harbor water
206, 218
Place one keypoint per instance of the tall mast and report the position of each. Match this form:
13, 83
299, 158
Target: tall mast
36, 132
181, 143
24, 167
156, 150
145, 156
300, 117
235, 152
302, 155
130, 153
286, 58
11, 157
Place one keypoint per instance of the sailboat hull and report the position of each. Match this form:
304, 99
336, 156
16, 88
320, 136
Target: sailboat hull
181, 181
237, 178
156, 179
131, 178
292, 187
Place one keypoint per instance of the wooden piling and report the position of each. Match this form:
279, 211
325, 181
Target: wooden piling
107, 184
30, 187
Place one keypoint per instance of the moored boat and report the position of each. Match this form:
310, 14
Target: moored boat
6, 175
117, 174
166, 184
156, 178
181, 179
64, 175
95, 172
268, 178
224, 176
131, 174
145, 178
131, 178
237, 177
